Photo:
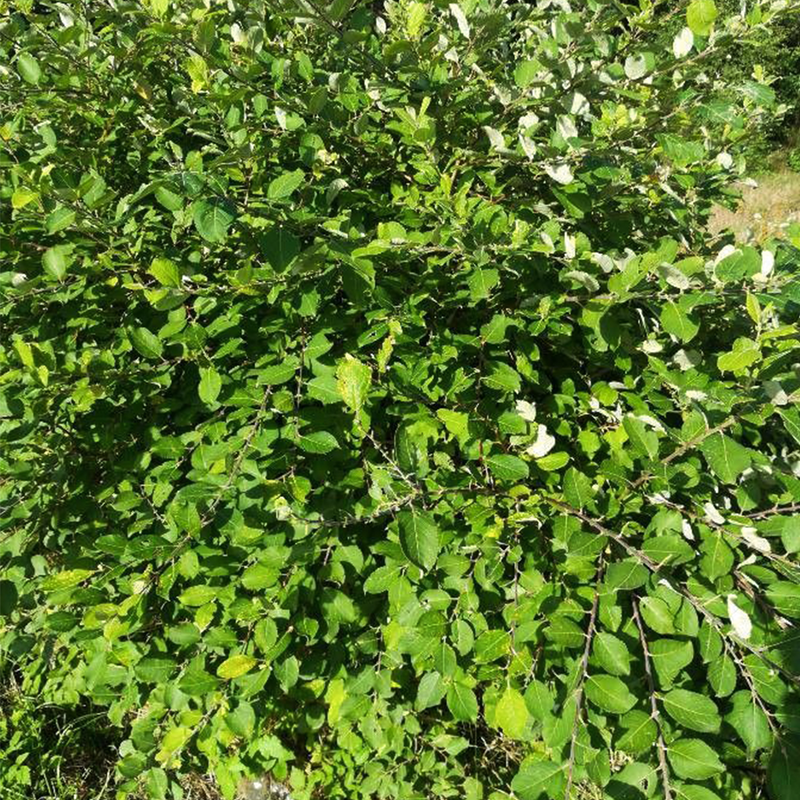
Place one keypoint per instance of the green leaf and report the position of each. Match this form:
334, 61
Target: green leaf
669, 550
727, 458
285, 185
56, 260
609, 693
280, 246
626, 574
749, 721
791, 421
640, 732
132, 765
744, 354
644, 440
722, 676
462, 636
525, 73
22, 197
692, 759
700, 16
492, 645
677, 322
165, 272
657, 614
242, 720
717, 559
236, 666
9, 597
564, 632
670, 657
507, 468
502, 378
324, 388
430, 691
382, 579
318, 442
156, 783
481, 282
196, 682
212, 219
494, 331
462, 702
611, 654
60, 218
694, 792
419, 538
353, 380
577, 488
511, 713
539, 779
553, 462
785, 597
147, 343
29, 69
198, 595
692, 710
415, 16
783, 770
259, 576
169, 199
539, 700
155, 669
210, 385
276, 374
174, 740
456, 422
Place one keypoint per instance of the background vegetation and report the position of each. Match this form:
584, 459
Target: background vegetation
379, 416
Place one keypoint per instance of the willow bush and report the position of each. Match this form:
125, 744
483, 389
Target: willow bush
375, 411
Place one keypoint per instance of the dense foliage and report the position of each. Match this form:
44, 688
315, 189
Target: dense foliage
373, 410
775, 53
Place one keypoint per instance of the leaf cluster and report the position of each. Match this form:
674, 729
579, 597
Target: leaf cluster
375, 409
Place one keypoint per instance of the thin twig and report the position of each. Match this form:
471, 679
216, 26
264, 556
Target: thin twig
792, 507
684, 448
643, 559
654, 713
584, 673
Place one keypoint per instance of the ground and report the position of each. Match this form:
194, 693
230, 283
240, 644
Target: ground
766, 209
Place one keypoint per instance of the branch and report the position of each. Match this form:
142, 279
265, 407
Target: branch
584, 673
791, 508
684, 448
656, 570
654, 713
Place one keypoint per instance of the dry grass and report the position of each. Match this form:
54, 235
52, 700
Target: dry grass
764, 211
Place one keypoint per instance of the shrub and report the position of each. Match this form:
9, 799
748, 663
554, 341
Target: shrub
775, 52
374, 411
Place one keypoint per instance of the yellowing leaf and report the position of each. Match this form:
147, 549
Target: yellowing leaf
22, 197
511, 714
353, 380
700, 16
236, 666
65, 580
